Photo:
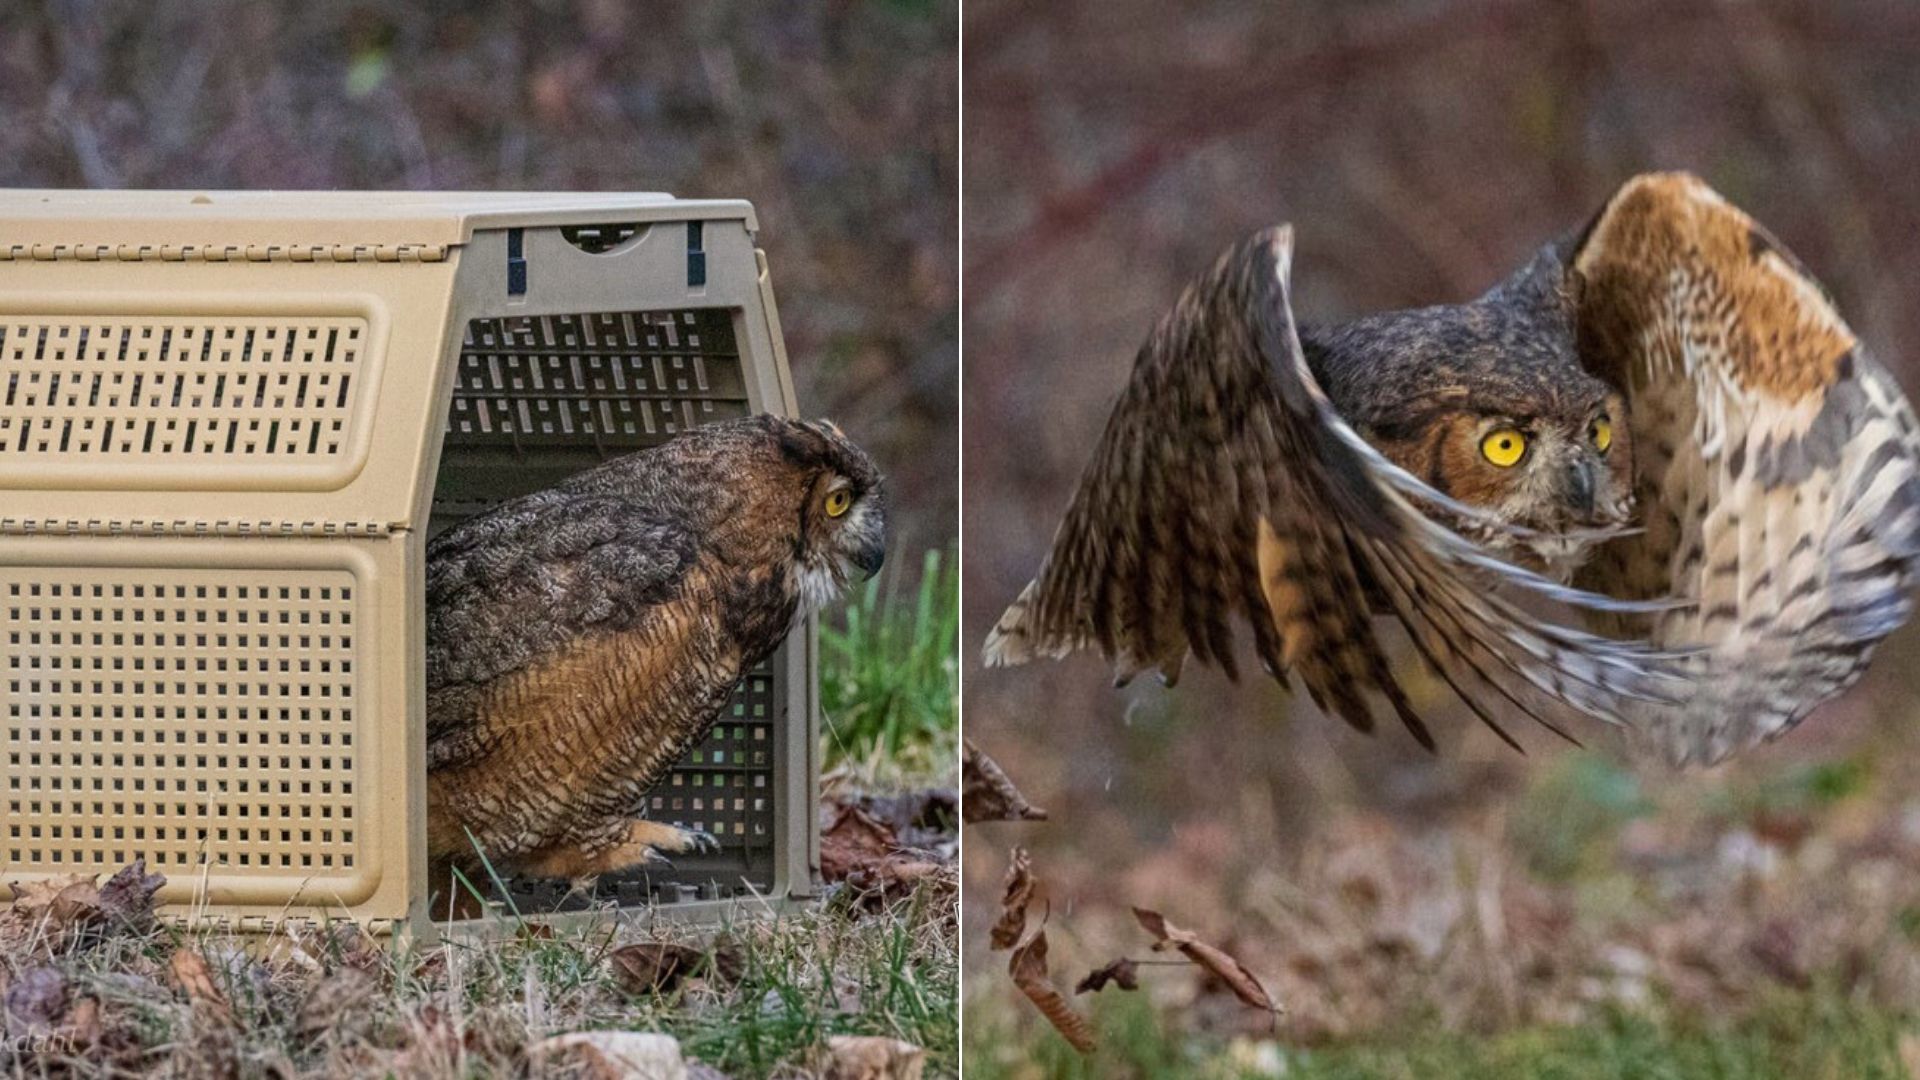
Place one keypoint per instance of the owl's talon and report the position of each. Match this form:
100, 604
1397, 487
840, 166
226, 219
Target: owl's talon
702, 842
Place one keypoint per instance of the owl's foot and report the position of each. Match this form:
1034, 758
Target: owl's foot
652, 840
698, 842
643, 842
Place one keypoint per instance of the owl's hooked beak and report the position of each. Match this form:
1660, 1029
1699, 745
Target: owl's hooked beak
870, 556
1581, 482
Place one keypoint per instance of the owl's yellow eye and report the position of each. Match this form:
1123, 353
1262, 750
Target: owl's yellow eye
1504, 447
1602, 434
839, 502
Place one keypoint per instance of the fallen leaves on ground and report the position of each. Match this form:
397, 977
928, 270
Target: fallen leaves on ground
340, 1005
330, 1000
873, 1057
986, 794
661, 967
616, 1055
891, 878
1028, 966
209, 1044
867, 854
926, 820
41, 1005
195, 978
1215, 960
854, 840
52, 914
36, 1000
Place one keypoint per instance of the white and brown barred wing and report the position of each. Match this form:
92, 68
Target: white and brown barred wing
1224, 484
1774, 460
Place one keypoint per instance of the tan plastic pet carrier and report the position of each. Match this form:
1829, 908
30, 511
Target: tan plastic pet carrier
230, 422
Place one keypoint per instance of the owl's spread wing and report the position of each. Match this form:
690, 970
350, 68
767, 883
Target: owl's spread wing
1225, 483
519, 586
1774, 460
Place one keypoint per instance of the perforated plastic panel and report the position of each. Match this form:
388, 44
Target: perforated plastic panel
220, 423
724, 786
539, 398
548, 396
147, 393
187, 717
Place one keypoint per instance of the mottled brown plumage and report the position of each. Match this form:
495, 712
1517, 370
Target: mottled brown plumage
1669, 365
581, 639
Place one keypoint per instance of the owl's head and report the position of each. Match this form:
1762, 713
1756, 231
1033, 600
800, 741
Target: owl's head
1490, 405
1555, 463
843, 510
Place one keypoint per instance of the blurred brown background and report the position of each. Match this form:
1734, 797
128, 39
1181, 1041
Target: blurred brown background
1422, 149
836, 118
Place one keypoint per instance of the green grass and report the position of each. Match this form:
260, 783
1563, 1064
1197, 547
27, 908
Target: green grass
1795, 1035
889, 674
473, 1008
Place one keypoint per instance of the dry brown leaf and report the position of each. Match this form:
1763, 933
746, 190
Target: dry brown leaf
51, 914
986, 794
854, 841
36, 1000
81, 1026
865, 853
191, 972
894, 878
1014, 898
727, 964
655, 967
1028, 966
873, 1057
127, 897
1218, 961
339, 1004
617, 1055
1121, 973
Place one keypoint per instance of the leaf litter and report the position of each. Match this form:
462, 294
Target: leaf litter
83, 960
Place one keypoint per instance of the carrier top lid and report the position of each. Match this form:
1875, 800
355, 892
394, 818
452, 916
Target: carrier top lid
323, 219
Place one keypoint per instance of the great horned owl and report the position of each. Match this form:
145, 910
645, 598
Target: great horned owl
1670, 365
581, 639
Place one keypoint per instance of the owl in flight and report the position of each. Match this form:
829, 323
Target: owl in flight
1659, 420
580, 640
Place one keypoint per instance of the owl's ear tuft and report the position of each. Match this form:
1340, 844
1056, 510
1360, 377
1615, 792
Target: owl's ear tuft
803, 444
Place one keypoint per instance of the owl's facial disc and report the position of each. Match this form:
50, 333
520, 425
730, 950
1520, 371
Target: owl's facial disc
861, 520
849, 537
1553, 473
